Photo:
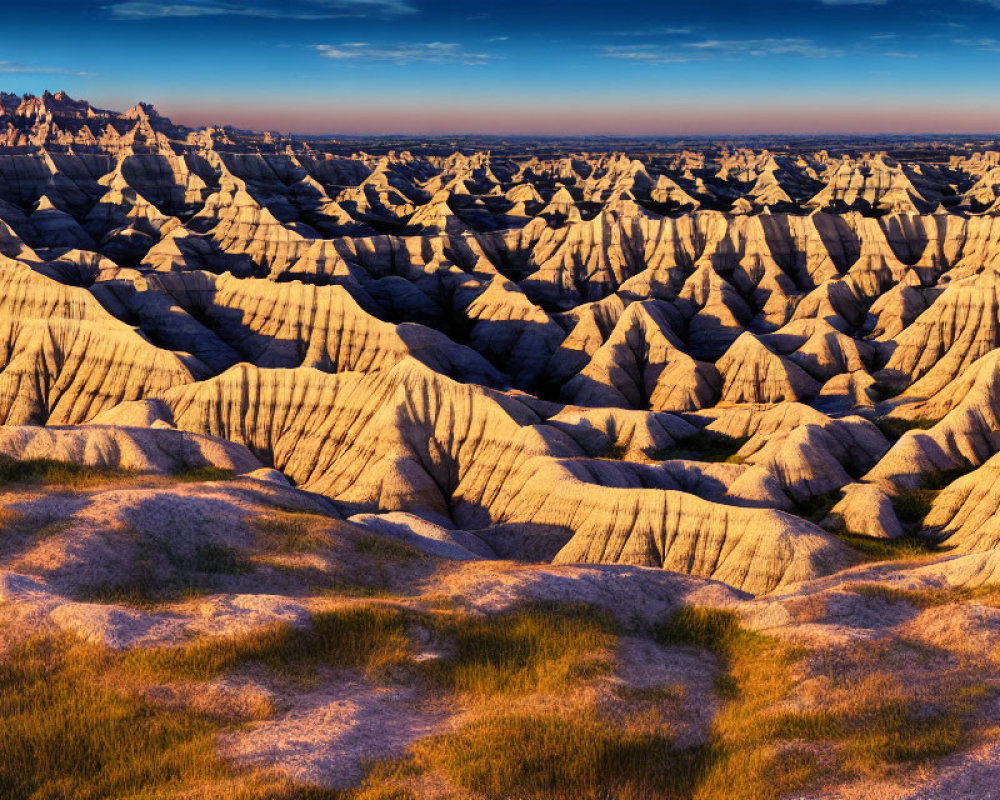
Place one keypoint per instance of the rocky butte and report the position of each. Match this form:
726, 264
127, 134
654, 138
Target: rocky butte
413, 469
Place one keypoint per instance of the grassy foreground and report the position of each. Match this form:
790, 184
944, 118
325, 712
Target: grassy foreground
79, 716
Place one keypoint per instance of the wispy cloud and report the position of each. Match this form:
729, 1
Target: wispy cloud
33, 69
403, 53
766, 47
655, 31
266, 9
983, 44
719, 49
900, 54
649, 53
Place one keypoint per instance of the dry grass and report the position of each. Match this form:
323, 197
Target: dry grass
892, 702
536, 648
559, 757
58, 473
203, 474
67, 717
383, 548
765, 747
373, 638
85, 741
929, 598
49, 472
291, 532
68, 734
903, 548
754, 674
10, 519
786, 715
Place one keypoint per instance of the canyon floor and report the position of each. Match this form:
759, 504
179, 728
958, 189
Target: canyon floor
487, 470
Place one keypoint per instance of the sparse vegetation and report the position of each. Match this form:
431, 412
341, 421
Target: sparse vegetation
561, 757
929, 598
57, 473
162, 573
817, 508
54, 528
894, 427
291, 532
212, 558
913, 505
373, 638
936, 481
540, 647
901, 548
883, 390
10, 519
705, 446
68, 733
98, 738
50, 472
204, 474
615, 451
866, 720
710, 628
385, 548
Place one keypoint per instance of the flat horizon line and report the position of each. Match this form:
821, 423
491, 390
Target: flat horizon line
618, 136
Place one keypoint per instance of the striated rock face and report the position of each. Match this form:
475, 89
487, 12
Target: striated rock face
755, 550
225, 320
636, 435
399, 439
751, 373
865, 509
959, 327
667, 359
64, 359
409, 439
643, 365
966, 511
966, 429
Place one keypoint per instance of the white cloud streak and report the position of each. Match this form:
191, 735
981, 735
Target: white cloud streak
308, 10
12, 67
985, 45
402, 53
719, 49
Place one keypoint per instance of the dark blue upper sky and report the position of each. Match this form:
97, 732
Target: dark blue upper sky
590, 66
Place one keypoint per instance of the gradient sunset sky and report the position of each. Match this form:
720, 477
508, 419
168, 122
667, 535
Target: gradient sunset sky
522, 66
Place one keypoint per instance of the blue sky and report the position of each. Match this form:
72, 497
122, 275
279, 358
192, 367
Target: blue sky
522, 66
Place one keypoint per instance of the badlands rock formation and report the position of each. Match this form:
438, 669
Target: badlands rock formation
730, 374
455, 337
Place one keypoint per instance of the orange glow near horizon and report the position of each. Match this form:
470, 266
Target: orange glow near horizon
621, 120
